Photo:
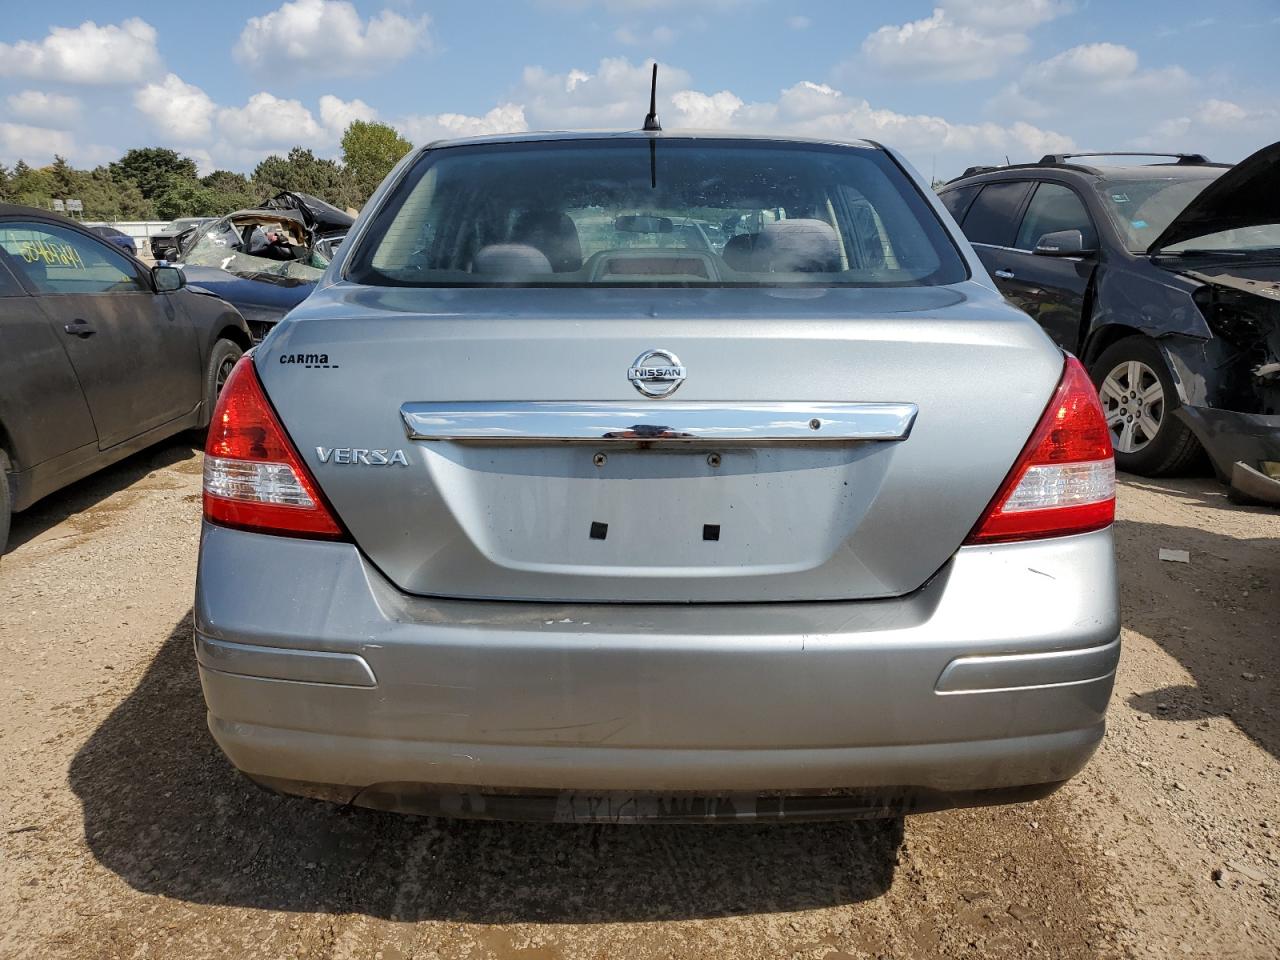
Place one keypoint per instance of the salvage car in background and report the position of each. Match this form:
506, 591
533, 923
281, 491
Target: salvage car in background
100, 355
118, 237
266, 260
1165, 279
168, 242
860, 564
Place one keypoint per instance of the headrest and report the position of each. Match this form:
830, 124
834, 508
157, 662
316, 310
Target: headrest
510, 260
805, 246
554, 233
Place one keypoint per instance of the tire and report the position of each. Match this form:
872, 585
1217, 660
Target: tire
222, 358
1139, 399
6, 501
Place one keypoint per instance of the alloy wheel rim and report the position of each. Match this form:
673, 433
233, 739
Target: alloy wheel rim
1133, 402
224, 371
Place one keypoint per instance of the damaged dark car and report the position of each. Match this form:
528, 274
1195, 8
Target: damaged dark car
266, 260
1165, 279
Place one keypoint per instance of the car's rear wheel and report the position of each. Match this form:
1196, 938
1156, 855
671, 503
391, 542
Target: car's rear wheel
1139, 400
222, 358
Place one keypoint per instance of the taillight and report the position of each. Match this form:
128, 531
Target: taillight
1064, 481
253, 477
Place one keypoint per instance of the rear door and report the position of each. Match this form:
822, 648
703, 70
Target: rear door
1051, 289
134, 351
991, 224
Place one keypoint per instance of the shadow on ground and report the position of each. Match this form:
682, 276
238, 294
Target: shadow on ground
165, 811
84, 495
1218, 615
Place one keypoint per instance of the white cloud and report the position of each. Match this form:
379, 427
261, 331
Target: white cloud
616, 95
939, 48
504, 118
1005, 15
701, 111
179, 110
1224, 113
799, 23
44, 107
204, 160
1223, 129
658, 36
268, 121
328, 36
90, 54
337, 114
1092, 70
819, 110
36, 145
645, 6
961, 39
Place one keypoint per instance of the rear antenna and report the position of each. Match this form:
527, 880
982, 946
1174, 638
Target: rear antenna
651, 121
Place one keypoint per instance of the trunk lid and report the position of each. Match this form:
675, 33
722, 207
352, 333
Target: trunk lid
720, 492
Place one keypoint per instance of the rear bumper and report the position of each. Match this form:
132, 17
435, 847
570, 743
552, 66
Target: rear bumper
993, 676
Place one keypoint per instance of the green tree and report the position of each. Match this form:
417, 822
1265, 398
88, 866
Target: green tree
153, 169
302, 171
63, 177
234, 191
369, 151
6, 184
187, 198
30, 186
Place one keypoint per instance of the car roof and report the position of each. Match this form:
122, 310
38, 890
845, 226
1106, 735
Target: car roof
1099, 173
18, 210
263, 214
538, 136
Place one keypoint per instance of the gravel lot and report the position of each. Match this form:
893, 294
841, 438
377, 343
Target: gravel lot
125, 834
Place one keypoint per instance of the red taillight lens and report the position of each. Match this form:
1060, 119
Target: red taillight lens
1064, 481
253, 477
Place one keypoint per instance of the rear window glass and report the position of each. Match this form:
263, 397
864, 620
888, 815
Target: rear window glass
666, 212
957, 201
993, 218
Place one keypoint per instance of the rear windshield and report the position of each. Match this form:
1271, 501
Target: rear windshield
663, 212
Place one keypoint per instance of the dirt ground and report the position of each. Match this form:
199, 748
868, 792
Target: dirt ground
124, 833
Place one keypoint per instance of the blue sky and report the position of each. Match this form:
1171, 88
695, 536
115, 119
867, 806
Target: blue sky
951, 82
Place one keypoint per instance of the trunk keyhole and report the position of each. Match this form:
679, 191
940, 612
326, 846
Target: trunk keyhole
599, 530
711, 531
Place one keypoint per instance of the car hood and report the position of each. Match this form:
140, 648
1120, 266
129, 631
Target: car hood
1244, 196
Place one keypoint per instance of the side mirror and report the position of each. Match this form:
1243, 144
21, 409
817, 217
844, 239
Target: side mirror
167, 279
1062, 243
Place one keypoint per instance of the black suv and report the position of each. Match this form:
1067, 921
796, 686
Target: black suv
1164, 278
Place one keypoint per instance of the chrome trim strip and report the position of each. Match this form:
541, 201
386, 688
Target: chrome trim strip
678, 421
1027, 671
283, 663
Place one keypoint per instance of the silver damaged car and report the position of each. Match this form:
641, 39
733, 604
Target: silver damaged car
656, 476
